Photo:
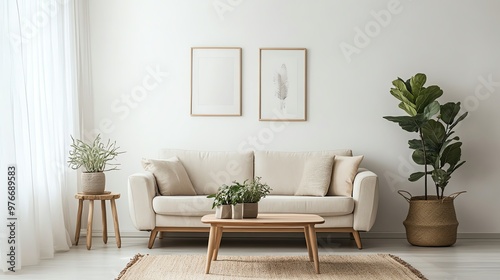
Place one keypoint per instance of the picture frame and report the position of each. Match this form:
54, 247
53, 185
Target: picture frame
215, 81
282, 84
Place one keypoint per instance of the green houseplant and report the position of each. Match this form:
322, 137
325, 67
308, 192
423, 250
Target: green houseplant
239, 200
224, 198
94, 158
438, 150
252, 193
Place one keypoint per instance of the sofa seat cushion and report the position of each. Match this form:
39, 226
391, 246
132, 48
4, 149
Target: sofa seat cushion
198, 205
324, 206
201, 205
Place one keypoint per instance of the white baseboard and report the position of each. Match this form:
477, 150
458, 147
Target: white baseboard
367, 235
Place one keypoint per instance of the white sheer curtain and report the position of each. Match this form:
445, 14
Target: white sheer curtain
38, 113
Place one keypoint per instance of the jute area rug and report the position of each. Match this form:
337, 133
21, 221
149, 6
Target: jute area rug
374, 266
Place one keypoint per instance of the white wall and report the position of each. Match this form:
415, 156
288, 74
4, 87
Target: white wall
455, 43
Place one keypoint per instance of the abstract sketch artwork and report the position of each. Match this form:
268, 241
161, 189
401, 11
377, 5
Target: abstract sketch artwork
282, 84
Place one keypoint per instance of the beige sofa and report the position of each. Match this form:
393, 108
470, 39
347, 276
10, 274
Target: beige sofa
349, 203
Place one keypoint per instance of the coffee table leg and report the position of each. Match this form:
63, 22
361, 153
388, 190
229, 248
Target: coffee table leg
314, 246
78, 221
211, 246
308, 243
217, 244
89, 224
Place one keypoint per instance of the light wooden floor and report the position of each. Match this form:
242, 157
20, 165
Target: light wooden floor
468, 259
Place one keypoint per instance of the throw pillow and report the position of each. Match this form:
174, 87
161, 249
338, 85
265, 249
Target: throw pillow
316, 176
344, 171
171, 177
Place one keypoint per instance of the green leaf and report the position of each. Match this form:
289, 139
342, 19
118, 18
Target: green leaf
452, 169
427, 96
416, 176
415, 144
408, 85
408, 123
449, 111
408, 108
451, 154
434, 133
400, 84
402, 92
459, 119
417, 82
418, 157
440, 177
431, 110
405, 98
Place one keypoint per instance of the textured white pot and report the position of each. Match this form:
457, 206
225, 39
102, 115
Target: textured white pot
223, 212
238, 211
93, 183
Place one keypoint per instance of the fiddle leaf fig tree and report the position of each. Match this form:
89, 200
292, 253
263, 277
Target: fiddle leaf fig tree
437, 146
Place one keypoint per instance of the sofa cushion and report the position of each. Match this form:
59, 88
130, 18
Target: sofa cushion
316, 176
195, 221
344, 171
200, 205
323, 206
209, 170
171, 177
282, 171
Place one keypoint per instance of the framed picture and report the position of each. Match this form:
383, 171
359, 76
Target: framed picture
282, 84
215, 81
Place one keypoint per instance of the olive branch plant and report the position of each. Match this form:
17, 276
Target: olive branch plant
93, 157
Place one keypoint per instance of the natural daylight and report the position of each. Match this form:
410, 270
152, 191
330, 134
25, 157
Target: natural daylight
249, 139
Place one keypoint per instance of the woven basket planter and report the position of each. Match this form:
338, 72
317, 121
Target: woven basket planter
432, 222
93, 182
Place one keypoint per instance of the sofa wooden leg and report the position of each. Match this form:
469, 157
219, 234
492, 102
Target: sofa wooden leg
152, 238
357, 238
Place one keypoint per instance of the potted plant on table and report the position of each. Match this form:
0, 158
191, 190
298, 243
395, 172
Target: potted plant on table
94, 158
431, 219
252, 193
239, 200
224, 198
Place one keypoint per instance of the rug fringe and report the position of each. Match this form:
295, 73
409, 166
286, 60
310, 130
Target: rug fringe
409, 266
132, 261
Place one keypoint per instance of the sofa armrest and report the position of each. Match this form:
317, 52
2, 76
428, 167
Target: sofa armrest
141, 191
365, 194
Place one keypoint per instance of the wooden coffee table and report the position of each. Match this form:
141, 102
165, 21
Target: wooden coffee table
265, 223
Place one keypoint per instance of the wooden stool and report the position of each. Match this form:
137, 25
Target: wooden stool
102, 197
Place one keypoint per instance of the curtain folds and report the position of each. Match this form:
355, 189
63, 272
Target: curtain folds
39, 111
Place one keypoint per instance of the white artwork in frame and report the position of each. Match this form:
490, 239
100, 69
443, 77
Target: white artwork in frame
215, 81
282, 84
